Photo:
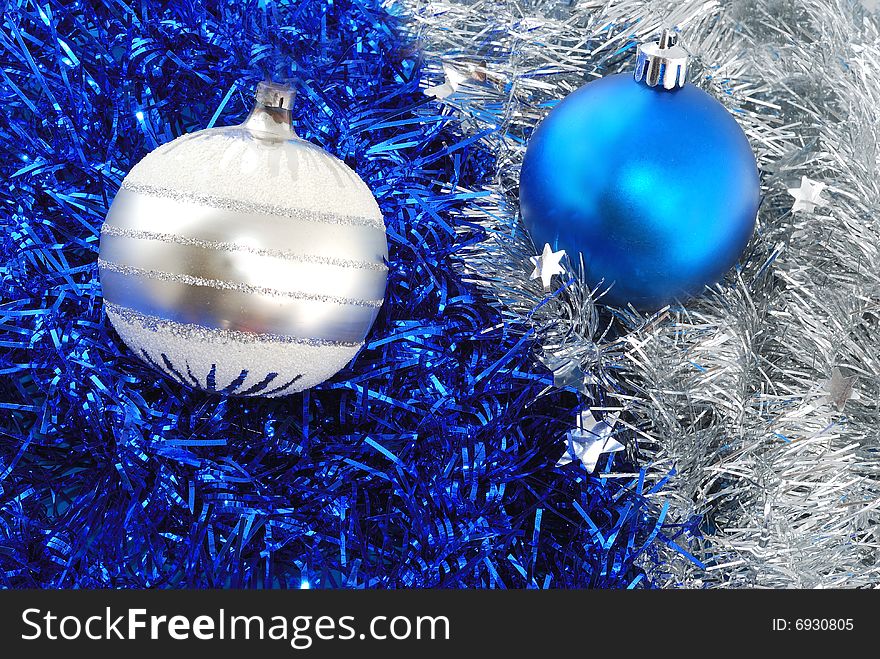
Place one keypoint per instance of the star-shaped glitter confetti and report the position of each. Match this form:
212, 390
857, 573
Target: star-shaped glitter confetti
590, 440
454, 78
568, 372
807, 196
547, 264
839, 389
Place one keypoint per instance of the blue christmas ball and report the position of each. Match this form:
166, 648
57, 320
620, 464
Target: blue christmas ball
656, 188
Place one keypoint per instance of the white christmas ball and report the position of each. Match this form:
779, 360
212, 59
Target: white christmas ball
244, 260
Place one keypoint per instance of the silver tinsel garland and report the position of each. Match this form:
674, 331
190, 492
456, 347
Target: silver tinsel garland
761, 395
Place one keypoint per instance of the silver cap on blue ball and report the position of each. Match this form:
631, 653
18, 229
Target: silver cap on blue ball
662, 63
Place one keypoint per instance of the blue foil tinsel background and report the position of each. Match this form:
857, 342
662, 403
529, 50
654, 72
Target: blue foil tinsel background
429, 461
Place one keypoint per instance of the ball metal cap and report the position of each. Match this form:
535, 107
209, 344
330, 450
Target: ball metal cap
274, 95
270, 118
662, 63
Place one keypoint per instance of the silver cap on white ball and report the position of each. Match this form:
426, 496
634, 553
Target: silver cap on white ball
274, 95
270, 117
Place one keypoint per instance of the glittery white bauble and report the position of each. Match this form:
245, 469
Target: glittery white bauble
244, 260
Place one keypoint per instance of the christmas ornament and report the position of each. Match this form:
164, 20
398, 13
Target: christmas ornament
244, 260
650, 180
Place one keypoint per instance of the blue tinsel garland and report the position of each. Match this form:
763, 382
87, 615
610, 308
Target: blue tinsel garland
429, 461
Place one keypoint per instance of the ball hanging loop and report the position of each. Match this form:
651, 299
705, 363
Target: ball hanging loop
662, 63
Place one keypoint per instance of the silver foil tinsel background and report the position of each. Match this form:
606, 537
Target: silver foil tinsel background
735, 391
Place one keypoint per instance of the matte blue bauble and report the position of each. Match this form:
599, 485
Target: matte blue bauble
657, 189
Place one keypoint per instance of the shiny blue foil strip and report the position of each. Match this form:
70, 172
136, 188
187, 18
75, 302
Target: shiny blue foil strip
429, 461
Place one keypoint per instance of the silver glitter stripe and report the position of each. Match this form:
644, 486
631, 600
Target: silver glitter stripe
120, 232
187, 330
240, 206
232, 285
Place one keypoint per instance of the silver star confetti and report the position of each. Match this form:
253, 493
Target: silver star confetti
547, 264
839, 389
568, 372
807, 196
590, 440
455, 77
